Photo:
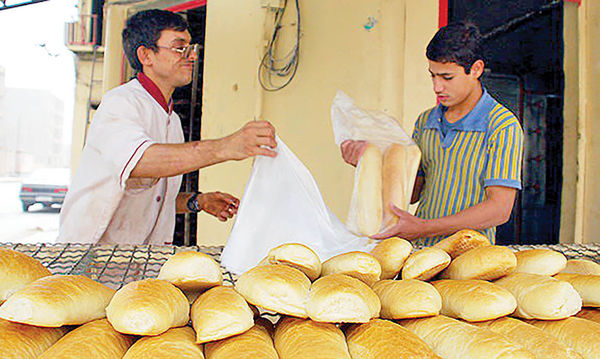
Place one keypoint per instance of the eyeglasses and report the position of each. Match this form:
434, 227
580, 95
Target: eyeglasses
184, 51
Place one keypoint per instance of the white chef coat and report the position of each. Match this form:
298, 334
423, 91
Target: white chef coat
103, 205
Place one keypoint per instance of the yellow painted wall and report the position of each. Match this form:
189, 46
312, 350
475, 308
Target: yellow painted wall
570, 115
384, 68
590, 87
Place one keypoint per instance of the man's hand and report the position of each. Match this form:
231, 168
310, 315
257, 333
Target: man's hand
221, 205
247, 141
408, 227
352, 151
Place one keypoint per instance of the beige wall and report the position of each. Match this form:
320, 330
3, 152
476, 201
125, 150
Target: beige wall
383, 69
590, 103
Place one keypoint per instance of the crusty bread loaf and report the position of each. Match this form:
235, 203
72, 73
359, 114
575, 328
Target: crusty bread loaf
96, 339
407, 298
541, 297
338, 298
581, 266
359, 265
192, 271
540, 261
175, 343
588, 287
277, 288
253, 344
474, 300
369, 202
425, 264
590, 314
541, 344
453, 339
305, 339
400, 165
297, 256
485, 263
21, 341
58, 300
383, 339
17, 270
148, 307
580, 334
391, 254
462, 241
220, 313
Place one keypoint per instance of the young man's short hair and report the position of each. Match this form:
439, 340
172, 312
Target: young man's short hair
460, 43
144, 28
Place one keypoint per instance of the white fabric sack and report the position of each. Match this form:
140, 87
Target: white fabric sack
282, 204
351, 122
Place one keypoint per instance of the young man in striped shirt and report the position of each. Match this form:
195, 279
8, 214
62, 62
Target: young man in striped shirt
471, 148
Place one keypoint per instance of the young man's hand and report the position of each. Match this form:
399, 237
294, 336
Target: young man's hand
352, 151
409, 227
248, 141
221, 205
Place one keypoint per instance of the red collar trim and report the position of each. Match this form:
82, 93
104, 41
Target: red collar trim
154, 91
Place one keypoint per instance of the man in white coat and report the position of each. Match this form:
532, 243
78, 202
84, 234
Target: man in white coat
126, 188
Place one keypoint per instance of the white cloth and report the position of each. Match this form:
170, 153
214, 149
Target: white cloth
103, 205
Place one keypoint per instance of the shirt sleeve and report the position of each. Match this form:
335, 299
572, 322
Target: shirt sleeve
117, 133
505, 153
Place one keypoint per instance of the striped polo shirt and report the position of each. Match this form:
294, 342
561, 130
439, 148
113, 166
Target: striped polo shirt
482, 149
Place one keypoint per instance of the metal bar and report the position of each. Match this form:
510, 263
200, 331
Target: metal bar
517, 21
128, 268
6, 7
85, 255
112, 254
59, 255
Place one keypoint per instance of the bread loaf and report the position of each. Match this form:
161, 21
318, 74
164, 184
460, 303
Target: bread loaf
590, 314
383, 339
175, 343
541, 297
474, 300
407, 298
278, 288
485, 263
453, 339
581, 266
580, 334
369, 192
540, 261
391, 254
21, 341
191, 271
253, 344
425, 264
17, 270
541, 344
96, 339
148, 307
58, 300
297, 256
400, 165
588, 287
304, 339
359, 265
338, 298
462, 241
220, 313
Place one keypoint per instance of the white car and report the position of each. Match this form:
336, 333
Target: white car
47, 186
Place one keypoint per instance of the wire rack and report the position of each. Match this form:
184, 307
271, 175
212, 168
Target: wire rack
118, 265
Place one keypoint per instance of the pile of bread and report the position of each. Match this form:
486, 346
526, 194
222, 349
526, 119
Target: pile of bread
462, 298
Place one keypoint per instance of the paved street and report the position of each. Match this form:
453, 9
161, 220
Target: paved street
38, 225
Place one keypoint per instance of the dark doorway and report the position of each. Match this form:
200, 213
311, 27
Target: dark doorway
524, 57
187, 103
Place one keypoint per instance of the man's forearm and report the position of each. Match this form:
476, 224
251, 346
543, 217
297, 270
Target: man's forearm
167, 160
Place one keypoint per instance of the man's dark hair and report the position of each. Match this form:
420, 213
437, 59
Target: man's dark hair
460, 43
144, 28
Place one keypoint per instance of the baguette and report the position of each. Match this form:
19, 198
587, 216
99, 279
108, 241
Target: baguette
462, 241
301, 339
391, 254
485, 263
590, 314
425, 264
253, 344
359, 265
369, 192
21, 341
407, 298
175, 343
297, 256
148, 307
17, 270
58, 300
540, 261
581, 266
588, 287
191, 271
580, 334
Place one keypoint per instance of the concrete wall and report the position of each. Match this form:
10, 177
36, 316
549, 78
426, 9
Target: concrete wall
383, 68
